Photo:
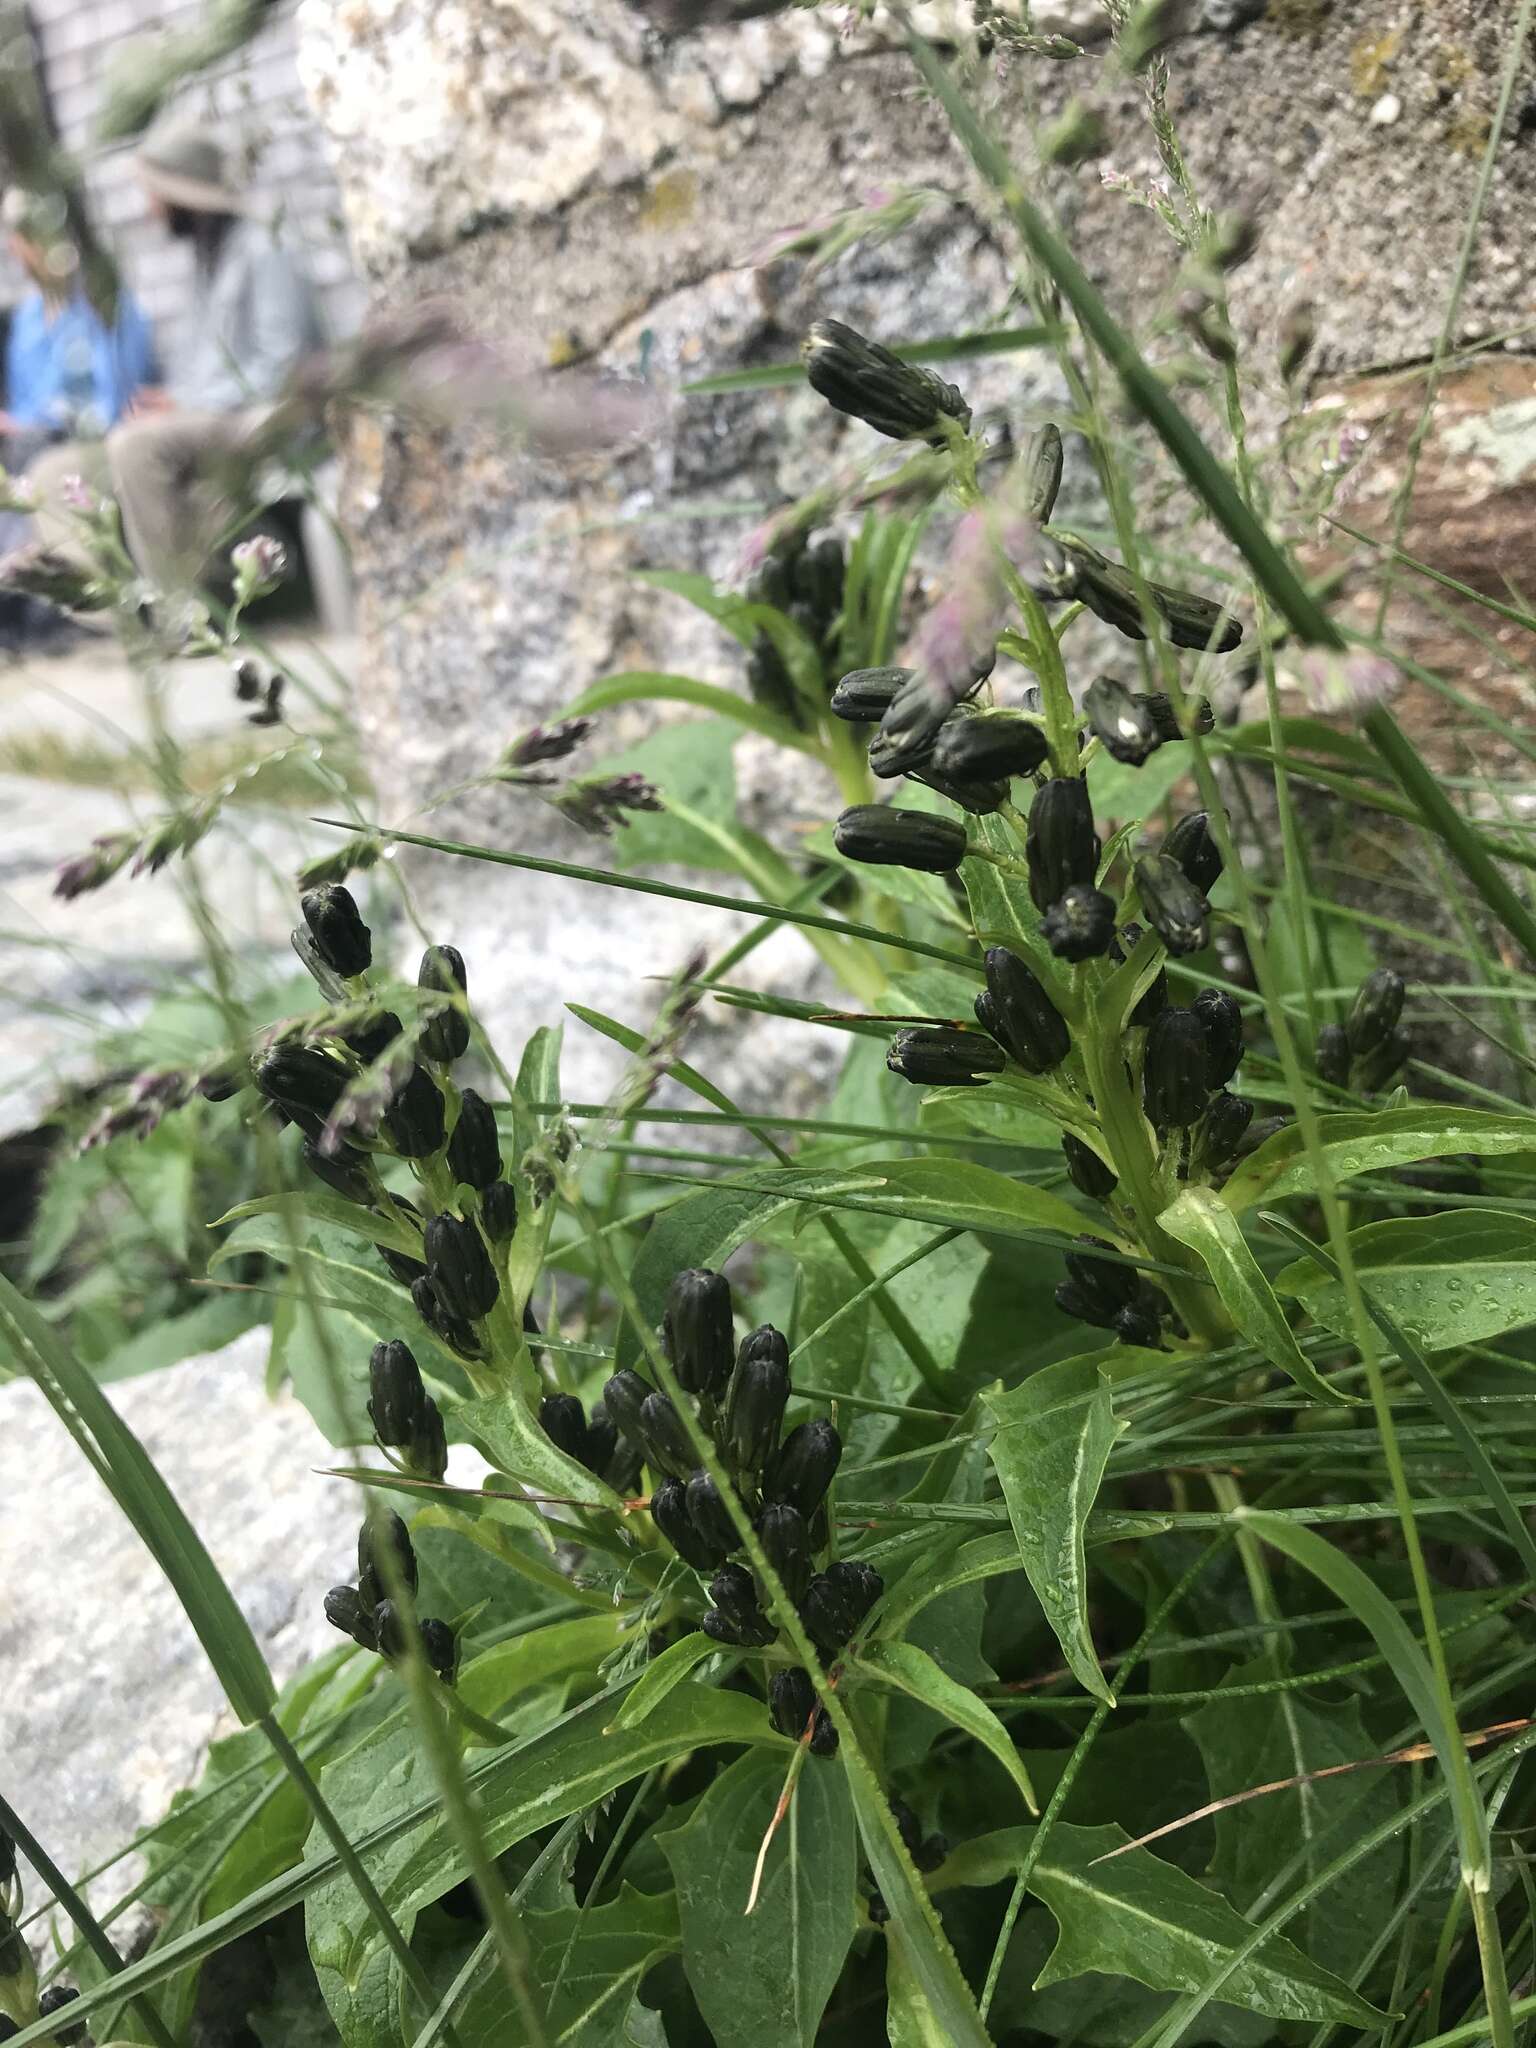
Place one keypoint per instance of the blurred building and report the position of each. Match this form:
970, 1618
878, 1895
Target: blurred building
257, 103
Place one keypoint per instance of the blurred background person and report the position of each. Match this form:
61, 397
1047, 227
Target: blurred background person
254, 319
68, 376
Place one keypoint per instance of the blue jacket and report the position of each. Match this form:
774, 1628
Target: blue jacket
66, 373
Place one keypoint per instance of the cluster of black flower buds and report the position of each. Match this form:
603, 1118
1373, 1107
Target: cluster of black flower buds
405, 1418
1367, 1049
368, 1613
414, 1113
803, 579
780, 1483
969, 758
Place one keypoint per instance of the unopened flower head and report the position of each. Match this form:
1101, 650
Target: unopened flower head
101, 860
547, 743
259, 564
597, 803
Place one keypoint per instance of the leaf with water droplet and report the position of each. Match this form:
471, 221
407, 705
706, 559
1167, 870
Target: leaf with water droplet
1374, 1141
1456, 1278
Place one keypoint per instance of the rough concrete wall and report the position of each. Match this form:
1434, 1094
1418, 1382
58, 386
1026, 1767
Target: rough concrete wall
591, 192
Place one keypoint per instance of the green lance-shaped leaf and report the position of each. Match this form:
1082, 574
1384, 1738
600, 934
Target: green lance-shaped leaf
1202, 1220
1410, 1666
662, 1675
1054, 1435
903, 1667
1374, 1142
1136, 1916
129, 1473
762, 1979
1451, 1279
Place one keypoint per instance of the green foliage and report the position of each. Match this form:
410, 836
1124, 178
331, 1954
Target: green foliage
691, 1712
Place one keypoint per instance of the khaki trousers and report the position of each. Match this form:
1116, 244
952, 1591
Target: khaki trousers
165, 471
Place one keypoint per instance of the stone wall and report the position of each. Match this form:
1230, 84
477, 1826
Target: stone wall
592, 192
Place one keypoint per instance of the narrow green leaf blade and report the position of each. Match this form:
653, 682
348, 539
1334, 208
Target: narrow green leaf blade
1373, 1141
1054, 1435
905, 1668
146, 1500
1202, 1220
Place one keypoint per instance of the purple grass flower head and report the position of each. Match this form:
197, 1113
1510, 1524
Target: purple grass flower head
547, 743
598, 803
1346, 684
101, 860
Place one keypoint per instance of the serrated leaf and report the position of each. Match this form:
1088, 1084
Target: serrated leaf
1142, 1918
1203, 1221
762, 1980
1373, 1142
1054, 1433
908, 1669
1450, 1279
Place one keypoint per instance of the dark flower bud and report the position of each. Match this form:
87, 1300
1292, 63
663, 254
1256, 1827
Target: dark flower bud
1223, 1127
978, 798
1137, 1325
941, 1056
1123, 723
602, 1442
988, 746
346, 1610
302, 1081
786, 1542
926, 1851
373, 1038
1085, 1307
864, 695
474, 1150
345, 1171
1380, 1064
823, 1734
1021, 1015
1106, 1278
733, 1591
382, 1537
861, 378
414, 1122
758, 1396
443, 972
440, 1647
697, 1330
1086, 1170
663, 1437
818, 575
669, 1511
803, 1467
389, 1630
623, 1397
563, 1420
882, 837
769, 681
460, 1268
1112, 593
458, 1335
56, 1999
791, 1701
1162, 711
405, 1269
858, 1584
711, 1517
754, 1634
1080, 924
498, 1211
1156, 996
837, 1601
1333, 1055
1174, 906
222, 1082
1173, 1082
1191, 846
1039, 465
1223, 1024
427, 1451
1060, 843
1375, 1013
335, 924
1259, 1132
396, 1394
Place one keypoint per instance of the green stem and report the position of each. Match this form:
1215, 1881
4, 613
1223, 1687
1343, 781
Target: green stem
1125, 1131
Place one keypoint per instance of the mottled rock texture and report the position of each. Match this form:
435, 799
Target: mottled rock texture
591, 192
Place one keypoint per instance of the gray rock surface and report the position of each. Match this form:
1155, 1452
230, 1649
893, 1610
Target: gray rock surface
109, 1701
589, 192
